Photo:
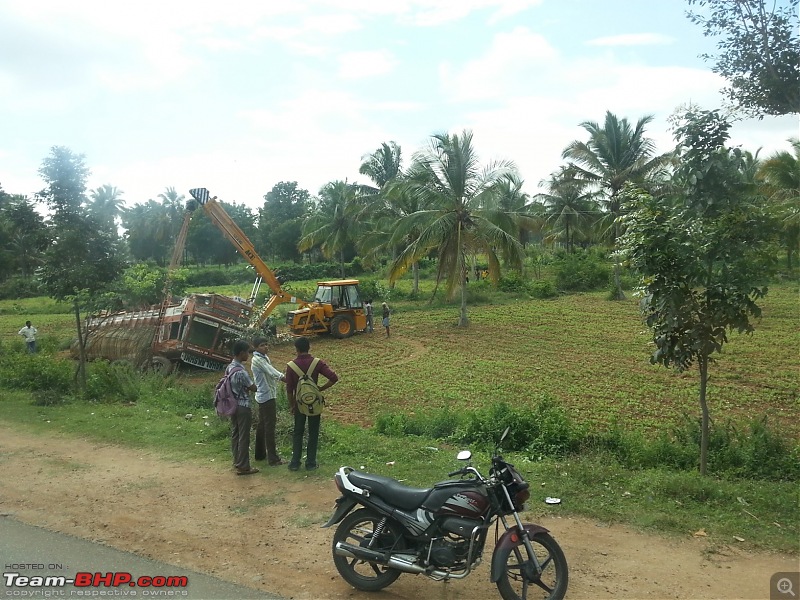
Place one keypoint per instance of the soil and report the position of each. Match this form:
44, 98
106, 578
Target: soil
263, 530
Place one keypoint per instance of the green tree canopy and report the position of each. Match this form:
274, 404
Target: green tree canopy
759, 52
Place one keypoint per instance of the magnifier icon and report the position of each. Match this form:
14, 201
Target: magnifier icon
784, 586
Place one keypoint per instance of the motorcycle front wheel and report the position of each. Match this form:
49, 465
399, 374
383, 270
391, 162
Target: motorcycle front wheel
519, 580
359, 529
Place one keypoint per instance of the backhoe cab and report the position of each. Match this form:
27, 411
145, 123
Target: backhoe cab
336, 309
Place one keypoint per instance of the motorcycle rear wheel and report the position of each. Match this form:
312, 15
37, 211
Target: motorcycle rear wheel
518, 581
358, 529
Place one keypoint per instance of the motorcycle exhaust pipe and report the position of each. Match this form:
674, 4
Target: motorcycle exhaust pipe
395, 562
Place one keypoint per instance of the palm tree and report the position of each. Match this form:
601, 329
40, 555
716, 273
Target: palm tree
568, 206
614, 155
781, 176
332, 224
383, 165
460, 215
107, 206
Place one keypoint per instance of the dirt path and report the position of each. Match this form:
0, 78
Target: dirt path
263, 531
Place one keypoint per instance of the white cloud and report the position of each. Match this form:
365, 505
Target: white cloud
633, 39
358, 65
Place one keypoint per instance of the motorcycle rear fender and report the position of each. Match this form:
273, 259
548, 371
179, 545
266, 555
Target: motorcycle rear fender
507, 541
343, 506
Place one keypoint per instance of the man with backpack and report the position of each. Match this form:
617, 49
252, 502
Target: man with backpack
242, 419
304, 372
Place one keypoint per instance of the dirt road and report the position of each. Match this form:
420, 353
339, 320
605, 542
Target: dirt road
263, 530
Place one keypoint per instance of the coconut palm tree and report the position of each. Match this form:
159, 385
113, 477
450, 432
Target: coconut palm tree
383, 165
460, 215
615, 154
107, 206
780, 174
569, 206
332, 224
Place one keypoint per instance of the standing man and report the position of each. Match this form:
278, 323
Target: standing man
241, 385
267, 378
369, 312
29, 333
386, 313
303, 362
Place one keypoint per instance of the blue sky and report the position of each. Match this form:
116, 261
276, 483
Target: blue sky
237, 96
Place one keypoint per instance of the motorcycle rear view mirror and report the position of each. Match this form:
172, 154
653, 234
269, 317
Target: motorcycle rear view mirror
464, 455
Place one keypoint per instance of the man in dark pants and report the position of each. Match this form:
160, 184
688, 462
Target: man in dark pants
241, 384
303, 361
267, 378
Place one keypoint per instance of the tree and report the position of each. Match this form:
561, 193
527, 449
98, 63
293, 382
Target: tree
206, 243
332, 225
280, 220
83, 259
460, 215
24, 235
383, 165
614, 155
568, 207
759, 52
780, 174
704, 259
107, 206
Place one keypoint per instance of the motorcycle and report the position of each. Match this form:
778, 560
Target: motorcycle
440, 532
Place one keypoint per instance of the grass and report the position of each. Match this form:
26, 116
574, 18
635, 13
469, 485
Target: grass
583, 352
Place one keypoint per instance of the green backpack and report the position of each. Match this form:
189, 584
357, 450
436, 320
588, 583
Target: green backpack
309, 399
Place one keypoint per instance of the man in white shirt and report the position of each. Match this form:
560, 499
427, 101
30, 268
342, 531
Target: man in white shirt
267, 378
29, 333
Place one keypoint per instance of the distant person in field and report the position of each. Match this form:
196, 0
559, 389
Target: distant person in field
29, 333
267, 378
369, 312
386, 313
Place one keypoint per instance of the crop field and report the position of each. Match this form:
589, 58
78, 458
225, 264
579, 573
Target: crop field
588, 353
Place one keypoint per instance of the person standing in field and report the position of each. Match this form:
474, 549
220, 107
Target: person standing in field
29, 333
368, 311
241, 421
267, 378
303, 361
386, 313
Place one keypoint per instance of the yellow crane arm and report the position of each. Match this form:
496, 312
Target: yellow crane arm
237, 237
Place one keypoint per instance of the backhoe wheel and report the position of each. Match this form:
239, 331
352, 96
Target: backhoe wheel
343, 326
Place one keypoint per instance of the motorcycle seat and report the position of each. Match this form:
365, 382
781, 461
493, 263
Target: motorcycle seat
389, 489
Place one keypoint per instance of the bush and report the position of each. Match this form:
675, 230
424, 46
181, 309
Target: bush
375, 290
581, 272
16, 287
36, 372
542, 289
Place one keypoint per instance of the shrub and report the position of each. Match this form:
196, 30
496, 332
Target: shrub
20, 287
36, 372
581, 272
542, 289
375, 290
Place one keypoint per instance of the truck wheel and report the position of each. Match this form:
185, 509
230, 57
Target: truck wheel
343, 326
161, 365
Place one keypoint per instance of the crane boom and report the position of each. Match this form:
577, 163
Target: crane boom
242, 243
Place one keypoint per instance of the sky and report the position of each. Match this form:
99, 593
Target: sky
237, 96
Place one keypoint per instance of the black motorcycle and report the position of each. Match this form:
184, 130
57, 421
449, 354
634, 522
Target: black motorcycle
441, 532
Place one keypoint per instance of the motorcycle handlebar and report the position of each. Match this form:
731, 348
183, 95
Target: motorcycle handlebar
459, 472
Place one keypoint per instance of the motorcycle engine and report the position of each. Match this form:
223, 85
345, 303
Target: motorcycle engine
447, 552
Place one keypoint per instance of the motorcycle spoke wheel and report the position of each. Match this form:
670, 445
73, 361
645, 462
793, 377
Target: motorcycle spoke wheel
358, 529
520, 581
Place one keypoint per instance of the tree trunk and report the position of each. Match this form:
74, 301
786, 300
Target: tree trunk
461, 264
703, 363
341, 262
415, 271
81, 372
618, 293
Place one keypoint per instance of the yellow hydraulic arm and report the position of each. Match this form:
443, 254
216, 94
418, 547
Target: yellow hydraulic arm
245, 247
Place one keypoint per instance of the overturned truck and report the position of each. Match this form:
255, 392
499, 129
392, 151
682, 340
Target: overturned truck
197, 330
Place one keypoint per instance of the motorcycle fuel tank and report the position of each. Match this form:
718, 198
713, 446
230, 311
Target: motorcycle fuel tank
457, 498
